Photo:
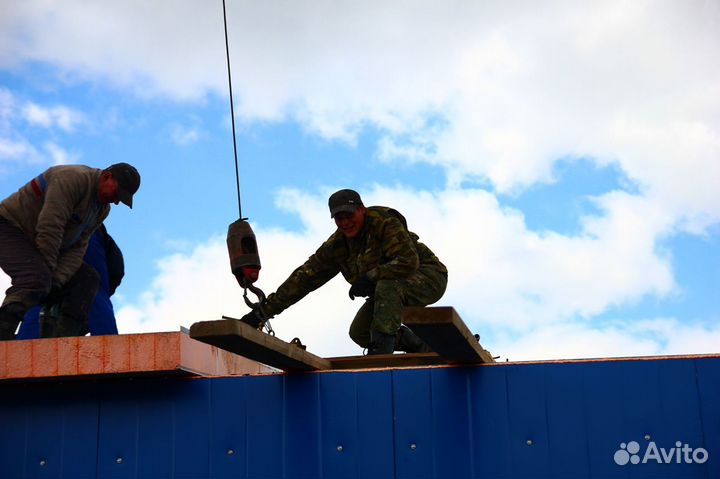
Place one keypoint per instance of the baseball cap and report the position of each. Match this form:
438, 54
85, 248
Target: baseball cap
128, 180
344, 200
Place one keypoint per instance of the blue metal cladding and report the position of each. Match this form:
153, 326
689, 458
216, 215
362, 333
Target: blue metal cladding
544, 420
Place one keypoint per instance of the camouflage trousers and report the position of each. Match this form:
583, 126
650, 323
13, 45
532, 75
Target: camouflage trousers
383, 311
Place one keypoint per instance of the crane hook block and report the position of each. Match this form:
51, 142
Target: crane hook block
244, 257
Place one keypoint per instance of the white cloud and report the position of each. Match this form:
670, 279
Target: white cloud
184, 135
4, 281
14, 150
663, 336
61, 156
58, 116
677, 337
7, 105
146, 47
37, 115
514, 86
15, 144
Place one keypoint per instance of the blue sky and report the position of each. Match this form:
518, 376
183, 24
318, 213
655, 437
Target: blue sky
562, 160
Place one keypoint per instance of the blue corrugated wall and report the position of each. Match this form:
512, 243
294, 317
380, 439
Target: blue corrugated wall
516, 421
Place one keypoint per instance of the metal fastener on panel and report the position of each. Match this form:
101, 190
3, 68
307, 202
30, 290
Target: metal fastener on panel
340, 448
413, 446
230, 452
647, 437
529, 442
43, 462
119, 460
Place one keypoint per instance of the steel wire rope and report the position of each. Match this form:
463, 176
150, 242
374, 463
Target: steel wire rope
257, 291
232, 114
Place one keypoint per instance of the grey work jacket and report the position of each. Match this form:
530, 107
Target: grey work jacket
59, 210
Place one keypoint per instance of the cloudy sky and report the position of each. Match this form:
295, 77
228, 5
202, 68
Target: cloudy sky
562, 158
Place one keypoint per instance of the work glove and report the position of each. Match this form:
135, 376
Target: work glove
254, 318
363, 286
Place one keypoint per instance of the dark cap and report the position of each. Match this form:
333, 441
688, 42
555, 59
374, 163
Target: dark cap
128, 180
344, 200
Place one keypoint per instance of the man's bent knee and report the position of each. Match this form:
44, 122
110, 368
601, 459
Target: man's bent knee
360, 336
360, 327
31, 288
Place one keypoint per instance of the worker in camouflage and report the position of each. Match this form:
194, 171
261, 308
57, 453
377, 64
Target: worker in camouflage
383, 261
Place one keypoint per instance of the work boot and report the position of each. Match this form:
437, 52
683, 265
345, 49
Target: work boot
67, 326
10, 316
48, 318
381, 343
409, 342
70, 317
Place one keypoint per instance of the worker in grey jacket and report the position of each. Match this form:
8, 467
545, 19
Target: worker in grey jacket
44, 232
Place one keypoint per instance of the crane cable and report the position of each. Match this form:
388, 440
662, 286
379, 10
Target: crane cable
265, 324
232, 115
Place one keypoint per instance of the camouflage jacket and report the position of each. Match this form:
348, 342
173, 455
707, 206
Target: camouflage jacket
384, 249
59, 211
